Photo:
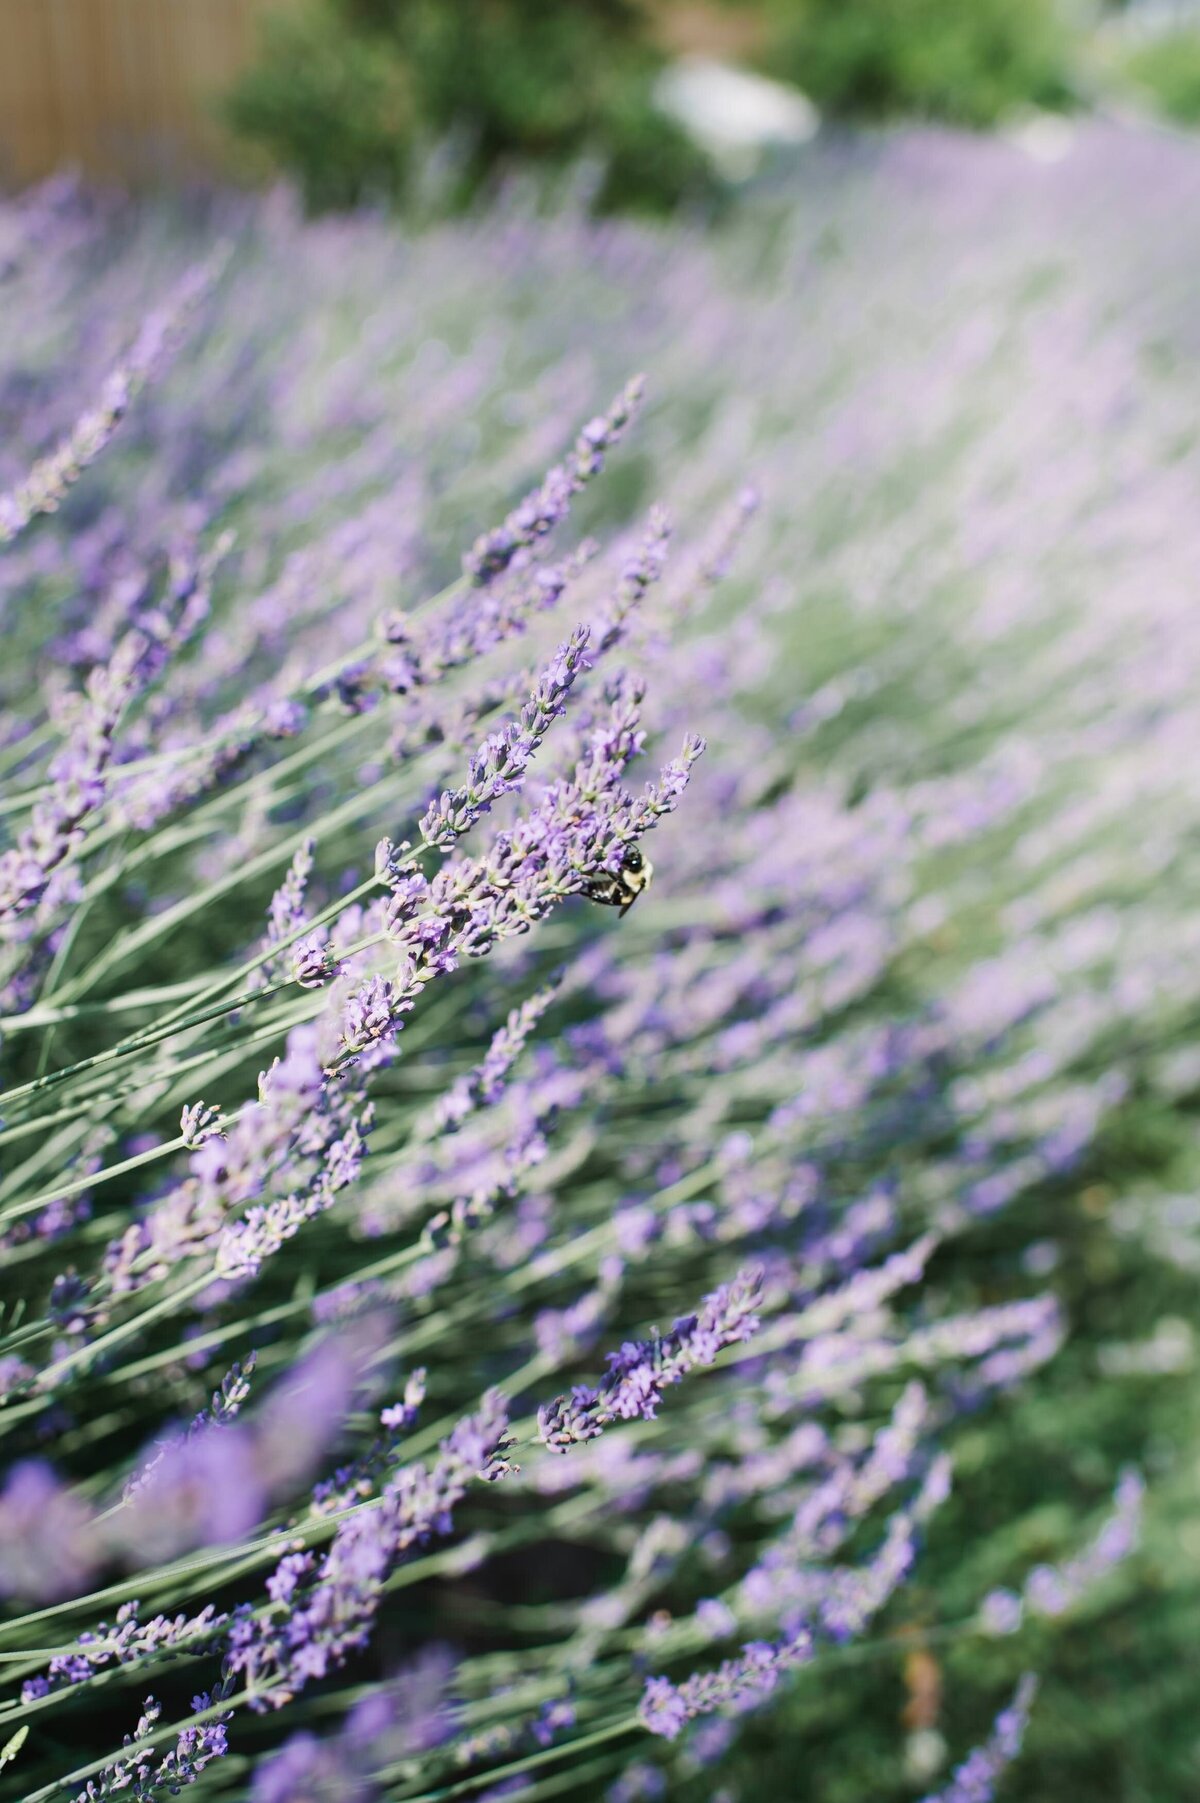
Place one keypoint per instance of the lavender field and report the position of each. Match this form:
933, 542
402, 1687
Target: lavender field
600, 973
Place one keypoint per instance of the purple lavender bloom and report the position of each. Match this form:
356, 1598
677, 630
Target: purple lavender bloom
1052, 1590
198, 1122
740, 1683
640, 1782
324, 1611
49, 1546
311, 965
484, 1084
975, 1780
716, 1618
307, 1770
142, 1773
1001, 1612
307, 1409
581, 828
370, 1018
562, 1334
207, 1490
406, 1715
500, 764
79, 774
410, 1713
214, 1484
47, 483
547, 505
305, 1137
640, 1372
225, 1406
552, 1720
362, 1477
129, 1641
643, 568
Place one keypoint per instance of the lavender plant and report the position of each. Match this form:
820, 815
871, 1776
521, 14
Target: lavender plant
461, 1338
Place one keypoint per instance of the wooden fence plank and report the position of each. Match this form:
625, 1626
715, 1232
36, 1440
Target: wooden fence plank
121, 89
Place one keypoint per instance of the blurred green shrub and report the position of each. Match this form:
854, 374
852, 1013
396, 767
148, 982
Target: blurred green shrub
346, 92
966, 61
1166, 70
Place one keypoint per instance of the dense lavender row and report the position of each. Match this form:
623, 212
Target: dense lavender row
479, 1322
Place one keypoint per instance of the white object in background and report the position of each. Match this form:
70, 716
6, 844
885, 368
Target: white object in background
1044, 137
734, 114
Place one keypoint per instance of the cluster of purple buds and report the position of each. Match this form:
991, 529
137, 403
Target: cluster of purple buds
225, 1405
44, 489
323, 1610
1050, 1590
739, 1683
408, 1715
142, 1774
642, 569
640, 1372
352, 1483
129, 1641
500, 764
975, 1780
483, 1085
547, 505
198, 1122
209, 1485
80, 773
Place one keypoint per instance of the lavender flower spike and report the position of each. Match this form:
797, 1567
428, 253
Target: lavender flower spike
79, 773
47, 483
1051, 1590
286, 915
484, 1083
197, 1122
323, 1612
640, 1372
48, 1541
976, 1778
499, 766
138, 1773
738, 1683
547, 505
642, 569
409, 1714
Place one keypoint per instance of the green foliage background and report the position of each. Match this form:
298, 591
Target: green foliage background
967, 63
351, 94
1165, 73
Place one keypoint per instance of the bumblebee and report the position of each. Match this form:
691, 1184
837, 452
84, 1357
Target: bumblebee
622, 890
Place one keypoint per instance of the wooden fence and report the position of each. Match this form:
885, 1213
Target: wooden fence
119, 88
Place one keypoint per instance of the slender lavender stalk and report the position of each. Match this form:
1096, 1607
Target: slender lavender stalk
143, 1774
640, 1372
546, 506
975, 1780
322, 1611
47, 483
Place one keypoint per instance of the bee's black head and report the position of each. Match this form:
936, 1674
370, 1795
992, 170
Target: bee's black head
632, 859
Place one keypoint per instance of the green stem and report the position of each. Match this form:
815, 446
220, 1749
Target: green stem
628, 1724
79, 1184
